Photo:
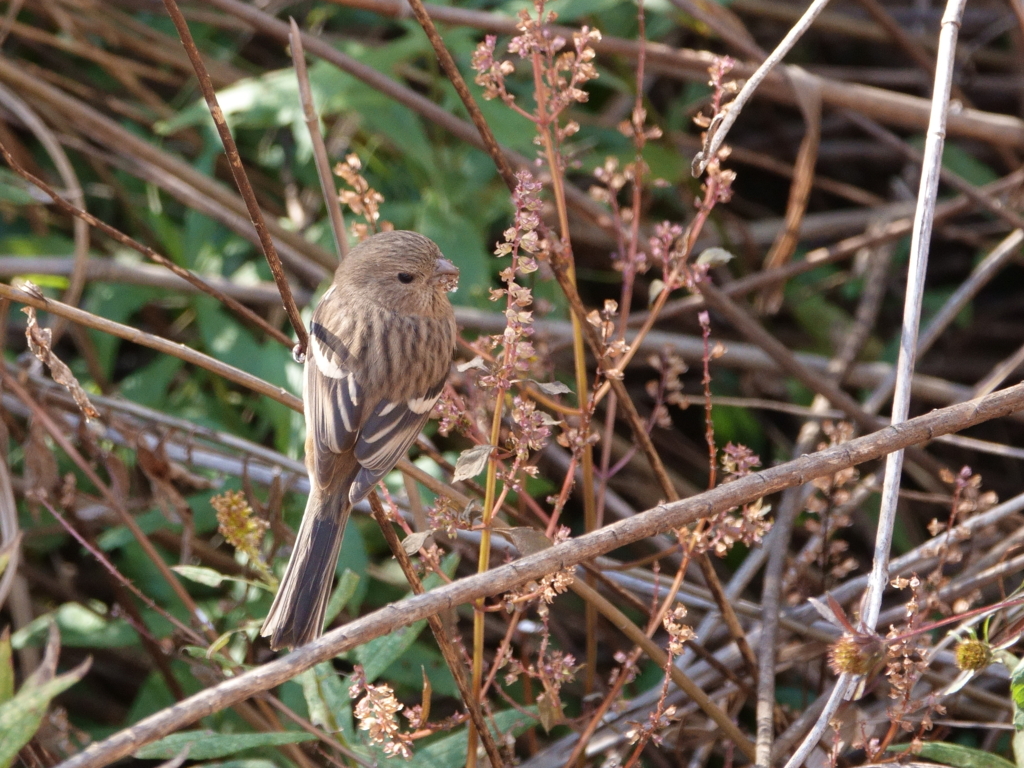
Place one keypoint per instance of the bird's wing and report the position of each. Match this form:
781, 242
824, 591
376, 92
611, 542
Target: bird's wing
388, 432
334, 401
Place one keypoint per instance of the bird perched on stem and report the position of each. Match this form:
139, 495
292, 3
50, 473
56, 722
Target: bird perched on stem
381, 343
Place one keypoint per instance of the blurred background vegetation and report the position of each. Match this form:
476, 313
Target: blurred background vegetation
98, 99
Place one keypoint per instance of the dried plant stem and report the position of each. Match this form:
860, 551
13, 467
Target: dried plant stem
720, 126
322, 162
206, 362
483, 563
657, 466
980, 276
844, 249
103, 270
792, 503
444, 642
920, 241
586, 547
755, 332
579, 358
687, 64
637, 636
238, 172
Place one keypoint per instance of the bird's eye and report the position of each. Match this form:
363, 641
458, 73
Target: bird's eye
405, 277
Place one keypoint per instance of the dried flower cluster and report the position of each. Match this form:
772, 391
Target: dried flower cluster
678, 632
362, 199
747, 524
376, 712
563, 72
521, 241
545, 590
240, 527
667, 389
552, 669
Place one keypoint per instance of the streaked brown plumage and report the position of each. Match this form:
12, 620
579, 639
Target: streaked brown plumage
381, 344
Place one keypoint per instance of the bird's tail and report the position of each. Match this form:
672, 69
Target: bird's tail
297, 614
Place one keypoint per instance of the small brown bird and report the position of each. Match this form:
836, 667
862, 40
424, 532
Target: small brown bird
381, 343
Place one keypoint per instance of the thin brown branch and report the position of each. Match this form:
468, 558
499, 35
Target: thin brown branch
491, 145
111, 134
238, 172
104, 270
842, 250
322, 162
448, 649
637, 636
891, 107
407, 97
144, 339
235, 306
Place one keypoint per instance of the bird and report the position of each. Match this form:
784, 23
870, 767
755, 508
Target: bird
381, 344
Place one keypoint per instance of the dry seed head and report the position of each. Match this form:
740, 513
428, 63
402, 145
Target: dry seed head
972, 655
854, 654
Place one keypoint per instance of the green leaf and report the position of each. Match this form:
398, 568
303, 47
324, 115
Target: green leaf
343, 593
209, 744
6, 666
450, 751
1017, 695
13, 189
148, 385
377, 655
407, 671
21, 716
960, 161
327, 699
957, 755
199, 574
212, 578
80, 627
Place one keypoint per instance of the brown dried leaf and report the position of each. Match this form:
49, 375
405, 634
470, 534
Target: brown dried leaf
415, 541
39, 343
549, 708
529, 541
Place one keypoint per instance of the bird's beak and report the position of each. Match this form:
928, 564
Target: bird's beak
447, 274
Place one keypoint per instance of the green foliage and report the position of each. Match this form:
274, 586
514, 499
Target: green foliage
206, 745
957, 755
79, 627
327, 699
450, 751
22, 713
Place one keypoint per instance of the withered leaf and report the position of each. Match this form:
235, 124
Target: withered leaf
549, 708
415, 541
529, 541
472, 462
39, 343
